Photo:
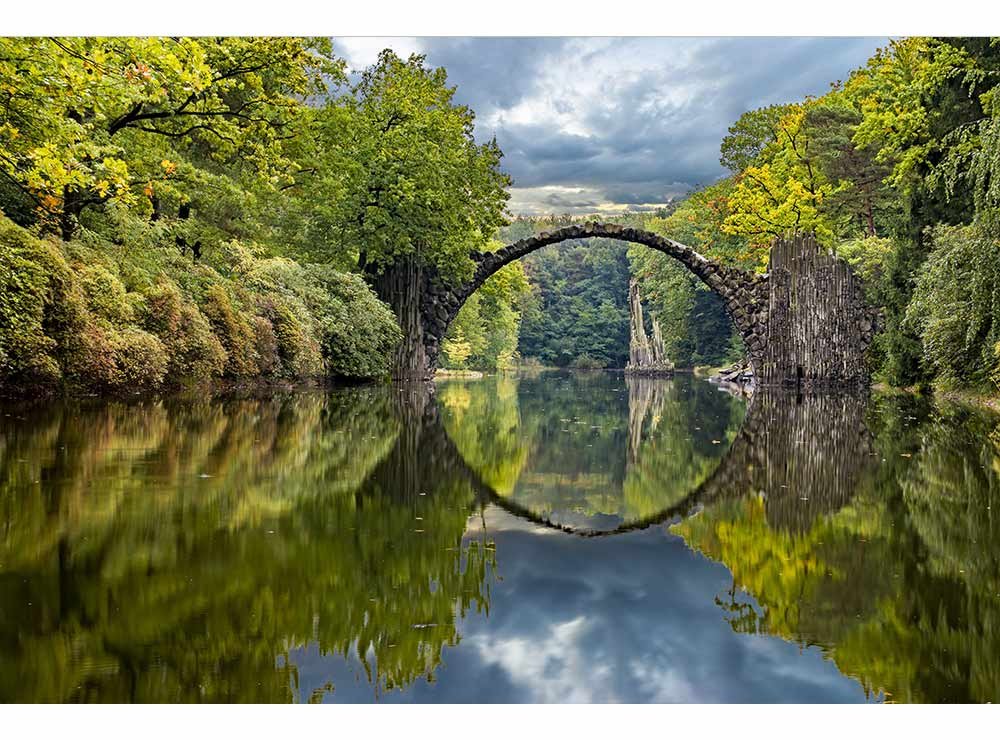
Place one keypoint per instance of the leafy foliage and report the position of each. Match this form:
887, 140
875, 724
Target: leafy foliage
229, 553
692, 318
400, 174
485, 333
898, 587
876, 169
956, 306
144, 122
102, 319
578, 306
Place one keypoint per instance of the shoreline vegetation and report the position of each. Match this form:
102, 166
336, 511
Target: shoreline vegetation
90, 318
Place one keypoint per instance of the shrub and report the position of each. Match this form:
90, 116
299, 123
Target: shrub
195, 353
996, 365
359, 333
298, 352
101, 318
266, 347
455, 351
234, 331
26, 352
105, 294
586, 362
89, 359
140, 359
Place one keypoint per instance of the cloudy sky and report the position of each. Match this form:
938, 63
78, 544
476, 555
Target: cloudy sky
603, 124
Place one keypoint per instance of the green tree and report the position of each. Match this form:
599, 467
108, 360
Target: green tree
400, 174
956, 306
144, 122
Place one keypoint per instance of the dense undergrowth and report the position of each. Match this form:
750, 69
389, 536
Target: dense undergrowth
91, 316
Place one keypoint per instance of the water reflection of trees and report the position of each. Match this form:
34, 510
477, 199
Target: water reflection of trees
183, 550
180, 551
678, 436
592, 450
896, 574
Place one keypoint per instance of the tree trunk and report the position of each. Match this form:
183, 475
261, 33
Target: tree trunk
639, 354
69, 219
869, 214
401, 286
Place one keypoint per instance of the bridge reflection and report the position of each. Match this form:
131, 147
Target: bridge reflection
802, 454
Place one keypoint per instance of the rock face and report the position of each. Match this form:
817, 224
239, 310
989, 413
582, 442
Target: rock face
646, 356
819, 325
804, 323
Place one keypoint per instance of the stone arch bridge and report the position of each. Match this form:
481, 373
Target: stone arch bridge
804, 322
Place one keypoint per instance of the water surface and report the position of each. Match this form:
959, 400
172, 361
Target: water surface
562, 537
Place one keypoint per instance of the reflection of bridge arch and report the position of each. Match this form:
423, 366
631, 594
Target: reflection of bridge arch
804, 454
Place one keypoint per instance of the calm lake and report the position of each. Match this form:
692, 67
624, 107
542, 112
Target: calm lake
559, 537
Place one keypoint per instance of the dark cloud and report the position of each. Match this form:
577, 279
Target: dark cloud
636, 120
492, 73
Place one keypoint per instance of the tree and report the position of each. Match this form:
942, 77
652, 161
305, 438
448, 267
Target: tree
783, 188
956, 306
401, 175
578, 306
860, 197
752, 133
692, 318
94, 121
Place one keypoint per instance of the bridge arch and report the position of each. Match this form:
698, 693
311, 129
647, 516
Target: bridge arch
804, 322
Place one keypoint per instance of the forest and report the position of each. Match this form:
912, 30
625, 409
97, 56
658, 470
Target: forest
175, 211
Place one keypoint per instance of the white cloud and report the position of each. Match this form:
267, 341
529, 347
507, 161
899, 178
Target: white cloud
555, 668
363, 51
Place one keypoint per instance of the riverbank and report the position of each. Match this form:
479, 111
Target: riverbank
467, 374
974, 399
259, 389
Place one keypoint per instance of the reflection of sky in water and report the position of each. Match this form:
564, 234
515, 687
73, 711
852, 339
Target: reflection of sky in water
630, 618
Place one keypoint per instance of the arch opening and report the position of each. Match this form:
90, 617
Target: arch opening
807, 311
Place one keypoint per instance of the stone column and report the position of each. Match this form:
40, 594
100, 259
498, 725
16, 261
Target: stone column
818, 323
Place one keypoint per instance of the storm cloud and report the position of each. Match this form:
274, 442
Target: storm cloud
609, 124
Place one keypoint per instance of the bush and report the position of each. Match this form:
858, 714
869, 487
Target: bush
106, 296
100, 318
586, 362
359, 333
140, 358
266, 347
89, 359
235, 332
996, 365
26, 352
195, 353
298, 352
